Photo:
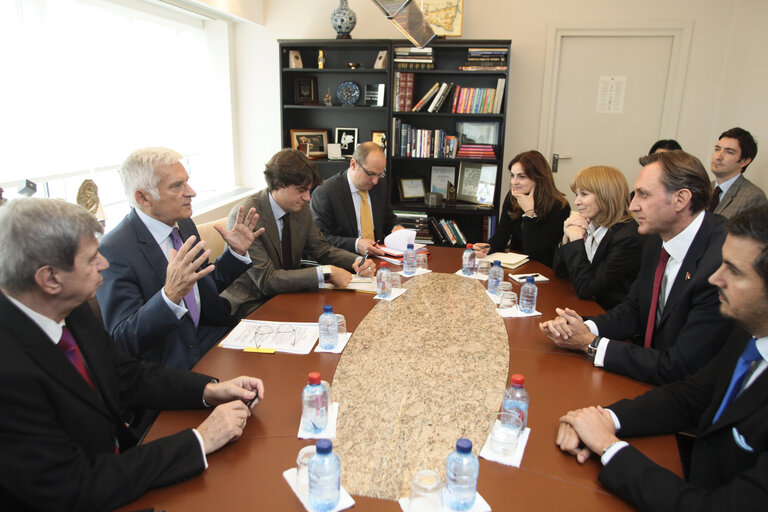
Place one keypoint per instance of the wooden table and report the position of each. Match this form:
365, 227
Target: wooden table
247, 475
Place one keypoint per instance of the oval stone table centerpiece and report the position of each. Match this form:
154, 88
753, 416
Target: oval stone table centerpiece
419, 372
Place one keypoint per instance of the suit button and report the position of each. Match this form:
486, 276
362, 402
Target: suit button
191, 345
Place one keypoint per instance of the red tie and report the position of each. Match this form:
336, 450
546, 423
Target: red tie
657, 277
70, 348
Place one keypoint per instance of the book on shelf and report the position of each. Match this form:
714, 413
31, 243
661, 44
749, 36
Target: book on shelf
448, 232
441, 98
485, 151
501, 84
431, 92
437, 97
438, 231
403, 91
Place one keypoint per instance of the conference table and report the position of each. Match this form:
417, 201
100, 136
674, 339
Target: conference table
248, 473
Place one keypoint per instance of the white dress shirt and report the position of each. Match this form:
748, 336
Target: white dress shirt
358, 201
595, 235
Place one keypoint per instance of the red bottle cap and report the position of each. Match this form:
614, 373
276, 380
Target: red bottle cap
518, 380
384, 264
469, 246
314, 377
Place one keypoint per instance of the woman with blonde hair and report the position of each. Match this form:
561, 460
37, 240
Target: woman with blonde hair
531, 221
601, 248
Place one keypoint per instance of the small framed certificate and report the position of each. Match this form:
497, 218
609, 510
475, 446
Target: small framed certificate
411, 189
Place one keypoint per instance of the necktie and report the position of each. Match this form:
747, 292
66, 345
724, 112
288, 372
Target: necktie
72, 351
366, 221
657, 277
286, 242
715, 199
743, 366
189, 299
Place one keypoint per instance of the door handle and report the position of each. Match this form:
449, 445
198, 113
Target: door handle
556, 157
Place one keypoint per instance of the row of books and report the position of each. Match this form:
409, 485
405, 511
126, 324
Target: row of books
403, 91
485, 59
479, 100
421, 142
434, 99
411, 57
447, 231
417, 221
481, 151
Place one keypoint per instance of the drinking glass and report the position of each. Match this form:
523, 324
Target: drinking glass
483, 266
504, 286
422, 261
508, 300
505, 431
397, 281
342, 323
302, 474
425, 492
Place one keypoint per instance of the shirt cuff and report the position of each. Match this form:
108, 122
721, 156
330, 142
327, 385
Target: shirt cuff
602, 347
592, 327
202, 447
612, 450
245, 259
176, 309
320, 277
357, 249
616, 422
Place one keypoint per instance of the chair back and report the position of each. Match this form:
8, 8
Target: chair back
213, 240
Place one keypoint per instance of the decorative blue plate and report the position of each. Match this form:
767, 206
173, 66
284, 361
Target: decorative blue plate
348, 92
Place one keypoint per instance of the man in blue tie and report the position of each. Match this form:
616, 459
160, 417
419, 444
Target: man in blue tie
727, 401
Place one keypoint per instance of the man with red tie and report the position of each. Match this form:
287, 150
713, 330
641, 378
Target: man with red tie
671, 311
727, 400
64, 382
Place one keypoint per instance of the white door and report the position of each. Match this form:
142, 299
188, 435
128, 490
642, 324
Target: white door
612, 94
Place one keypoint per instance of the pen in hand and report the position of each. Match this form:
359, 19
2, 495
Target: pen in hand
362, 262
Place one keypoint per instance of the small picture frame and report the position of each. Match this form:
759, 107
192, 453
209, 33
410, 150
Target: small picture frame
347, 137
317, 141
470, 132
411, 189
305, 90
441, 176
379, 137
294, 59
477, 183
334, 152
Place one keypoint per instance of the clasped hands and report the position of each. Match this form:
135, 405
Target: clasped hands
568, 330
575, 227
227, 421
586, 431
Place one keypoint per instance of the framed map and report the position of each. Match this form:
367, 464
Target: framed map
445, 16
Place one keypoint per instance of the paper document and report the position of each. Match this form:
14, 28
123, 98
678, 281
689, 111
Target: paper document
263, 336
508, 259
520, 278
359, 284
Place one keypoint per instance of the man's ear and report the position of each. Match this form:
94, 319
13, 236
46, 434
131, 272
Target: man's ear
682, 199
47, 279
744, 162
143, 199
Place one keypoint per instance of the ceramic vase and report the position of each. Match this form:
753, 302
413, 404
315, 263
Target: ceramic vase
343, 20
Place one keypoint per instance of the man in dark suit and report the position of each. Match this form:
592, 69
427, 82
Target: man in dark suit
734, 151
290, 235
727, 400
352, 209
160, 298
63, 382
671, 306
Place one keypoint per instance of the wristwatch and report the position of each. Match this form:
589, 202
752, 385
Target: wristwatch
326, 272
592, 347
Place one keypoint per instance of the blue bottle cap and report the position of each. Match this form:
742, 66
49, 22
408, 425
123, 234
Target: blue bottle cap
463, 445
530, 279
324, 446
496, 263
327, 308
410, 246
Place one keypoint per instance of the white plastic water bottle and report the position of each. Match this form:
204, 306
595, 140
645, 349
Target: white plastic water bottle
495, 276
528, 293
324, 471
384, 281
409, 261
461, 470
516, 399
314, 405
329, 328
468, 261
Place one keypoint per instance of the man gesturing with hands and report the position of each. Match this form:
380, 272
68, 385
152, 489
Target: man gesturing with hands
160, 298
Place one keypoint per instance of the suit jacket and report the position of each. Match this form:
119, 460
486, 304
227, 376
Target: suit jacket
268, 276
334, 212
726, 474
691, 330
57, 436
133, 308
742, 195
613, 269
537, 238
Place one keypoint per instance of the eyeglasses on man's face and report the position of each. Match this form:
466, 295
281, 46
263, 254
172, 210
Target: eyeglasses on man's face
370, 174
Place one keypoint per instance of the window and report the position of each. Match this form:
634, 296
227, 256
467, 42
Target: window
88, 81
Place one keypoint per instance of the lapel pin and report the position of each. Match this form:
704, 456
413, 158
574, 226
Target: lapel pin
687, 276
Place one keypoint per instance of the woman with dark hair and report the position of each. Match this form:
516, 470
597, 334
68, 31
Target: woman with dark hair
531, 221
601, 248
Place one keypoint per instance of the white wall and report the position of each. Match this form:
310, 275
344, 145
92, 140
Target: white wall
724, 84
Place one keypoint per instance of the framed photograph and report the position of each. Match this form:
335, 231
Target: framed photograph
441, 175
316, 139
304, 90
477, 183
347, 137
411, 189
374, 95
477, 133
379, 137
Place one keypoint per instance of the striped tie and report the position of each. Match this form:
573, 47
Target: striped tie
366, 221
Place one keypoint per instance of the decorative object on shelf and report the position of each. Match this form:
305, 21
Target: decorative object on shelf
348, 92
433, 199
409, 20
374, 95
444, 16
88, 198
470, 132
320, 59
411, 189
381, 60
380, 138
304, 148
477, 182
334, 152
28, 188
343, 20
347, 137
441, 176
317, 140
304, 90
353, 65
294, 59
450, 196
327, 99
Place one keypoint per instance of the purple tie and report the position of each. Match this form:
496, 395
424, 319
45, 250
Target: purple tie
189, 299
70, 348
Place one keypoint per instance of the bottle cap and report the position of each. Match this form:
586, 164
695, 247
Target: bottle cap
327, 308
517, 380
384, 264
464, 445
324, 446
314, 377
410, 246
530, 279
496, 263
469, 246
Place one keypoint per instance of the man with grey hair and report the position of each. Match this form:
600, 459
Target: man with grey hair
352, 209
160, 299
63, 382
